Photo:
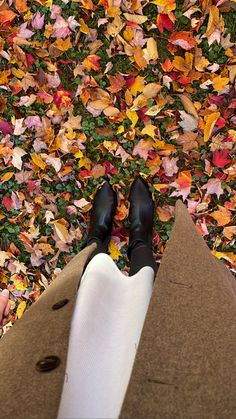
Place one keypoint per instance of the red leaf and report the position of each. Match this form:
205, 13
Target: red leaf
7, 202
29, 60
220, 158
110, 168
6, 127
167, 65
220, 122
62, 97
164, 22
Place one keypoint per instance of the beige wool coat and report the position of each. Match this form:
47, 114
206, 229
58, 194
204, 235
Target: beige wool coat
185, 366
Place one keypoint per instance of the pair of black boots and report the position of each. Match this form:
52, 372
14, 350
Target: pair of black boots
141, 223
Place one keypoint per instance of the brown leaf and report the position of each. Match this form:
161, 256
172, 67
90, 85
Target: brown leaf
98, 171
189, 140
117, 82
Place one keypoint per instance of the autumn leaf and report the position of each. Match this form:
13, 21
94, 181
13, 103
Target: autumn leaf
20, 309
222, 216
116, 83
221, 158
210, 121
183, 39
21, 5
139, 57
91, 62
62, 97
113, 250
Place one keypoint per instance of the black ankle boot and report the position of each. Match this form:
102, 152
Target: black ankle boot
103, 211
141, 215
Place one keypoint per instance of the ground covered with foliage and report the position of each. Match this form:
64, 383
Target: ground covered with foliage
111, 88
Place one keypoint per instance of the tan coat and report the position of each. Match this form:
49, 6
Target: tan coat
185, 366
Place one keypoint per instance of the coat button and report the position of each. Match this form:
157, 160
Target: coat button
60, 304
48, 363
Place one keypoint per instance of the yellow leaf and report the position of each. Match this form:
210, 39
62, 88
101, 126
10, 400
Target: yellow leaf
7, 176
154, 110
219, 83
78, 154
159, 186
230, 256
20, 309
85, 162
232, 133
182, 65
210, 121
213, 21
17, 73
38, 161
132, 115
61, 231
110, 145
149, 130
152, 53
139, 19
114, 250
222, 216
83, 27
120, 129
63, 44
137, 86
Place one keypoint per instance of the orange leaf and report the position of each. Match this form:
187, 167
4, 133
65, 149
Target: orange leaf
139, 58
21, 5
209, 125
91, 62
222, 216
122, 212
7, 16
38, 161
164, 213
117, 82
63, 44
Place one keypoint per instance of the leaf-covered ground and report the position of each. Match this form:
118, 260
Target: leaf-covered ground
112, 88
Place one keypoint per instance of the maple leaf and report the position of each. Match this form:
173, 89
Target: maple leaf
183, 39
189, 140
164, 22
182, 184
37, 21
142, 148
62, 97
222, 216
170, 166
220, 158
91, 62
213, 186
117, 82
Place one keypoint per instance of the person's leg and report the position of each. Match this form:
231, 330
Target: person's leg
102, 214
141, 224
141, 255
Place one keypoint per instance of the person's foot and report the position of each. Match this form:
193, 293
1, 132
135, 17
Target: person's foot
141, 214
103, 211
